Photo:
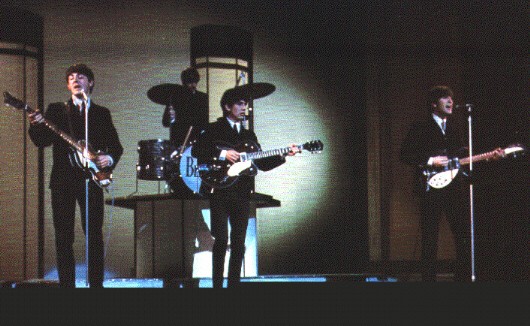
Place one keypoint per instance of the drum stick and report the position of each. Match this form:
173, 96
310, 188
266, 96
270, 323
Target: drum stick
185, 141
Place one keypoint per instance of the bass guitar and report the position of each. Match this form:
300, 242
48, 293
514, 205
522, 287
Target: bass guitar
441, 177
80, 155
222, 174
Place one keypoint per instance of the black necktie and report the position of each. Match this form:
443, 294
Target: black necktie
235, 128
81, 108
443, 125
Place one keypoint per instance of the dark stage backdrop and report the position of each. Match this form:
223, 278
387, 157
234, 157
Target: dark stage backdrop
310, 51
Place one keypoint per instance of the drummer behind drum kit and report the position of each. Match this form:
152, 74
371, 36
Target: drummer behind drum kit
160, 160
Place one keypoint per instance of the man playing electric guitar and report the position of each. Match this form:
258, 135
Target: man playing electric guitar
68, 180
231, 203
432, 141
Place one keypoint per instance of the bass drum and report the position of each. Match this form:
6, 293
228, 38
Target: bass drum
153, 159
185, 177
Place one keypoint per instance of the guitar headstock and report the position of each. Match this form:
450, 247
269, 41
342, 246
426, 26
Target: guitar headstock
13, 101
313, 146
515, 150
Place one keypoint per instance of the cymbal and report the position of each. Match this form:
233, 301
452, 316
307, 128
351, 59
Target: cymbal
255, 90
167, 93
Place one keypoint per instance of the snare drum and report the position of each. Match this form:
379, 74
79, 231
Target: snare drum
153, 159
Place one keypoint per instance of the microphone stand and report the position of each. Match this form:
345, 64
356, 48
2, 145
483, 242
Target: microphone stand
469, 108
87, 180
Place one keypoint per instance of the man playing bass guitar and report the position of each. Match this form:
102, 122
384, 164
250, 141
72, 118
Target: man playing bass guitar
67, 181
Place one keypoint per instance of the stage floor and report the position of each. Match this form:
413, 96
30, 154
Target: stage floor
207, 282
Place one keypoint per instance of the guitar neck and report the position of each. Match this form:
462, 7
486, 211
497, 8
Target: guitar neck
477, 158
66, 137
269, 153
18, 104
71, 141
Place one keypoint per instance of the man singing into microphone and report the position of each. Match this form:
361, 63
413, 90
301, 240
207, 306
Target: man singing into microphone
431, 142
68, 180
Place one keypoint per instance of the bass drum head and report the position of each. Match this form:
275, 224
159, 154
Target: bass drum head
185, 177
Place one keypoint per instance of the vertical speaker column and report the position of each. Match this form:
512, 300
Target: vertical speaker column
223, 57
21, 162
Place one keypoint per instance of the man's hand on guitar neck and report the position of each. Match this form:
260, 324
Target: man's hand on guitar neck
293, 149
35, 117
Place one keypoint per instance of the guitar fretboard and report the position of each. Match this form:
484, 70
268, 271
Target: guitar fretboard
477, 158
269, 153
66, 137
72, 142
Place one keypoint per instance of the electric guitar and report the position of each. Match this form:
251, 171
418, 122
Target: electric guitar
441, 177
222, 174
80, 155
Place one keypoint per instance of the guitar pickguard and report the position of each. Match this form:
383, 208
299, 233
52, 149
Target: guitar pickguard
101, 177
442, 179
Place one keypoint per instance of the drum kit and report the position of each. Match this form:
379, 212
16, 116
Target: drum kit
160, 160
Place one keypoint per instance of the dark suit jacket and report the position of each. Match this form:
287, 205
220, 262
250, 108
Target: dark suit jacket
205, 149
102, 136
191, 110
425, 139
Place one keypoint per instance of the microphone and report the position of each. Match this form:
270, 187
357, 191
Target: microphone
467, 106
244, 122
